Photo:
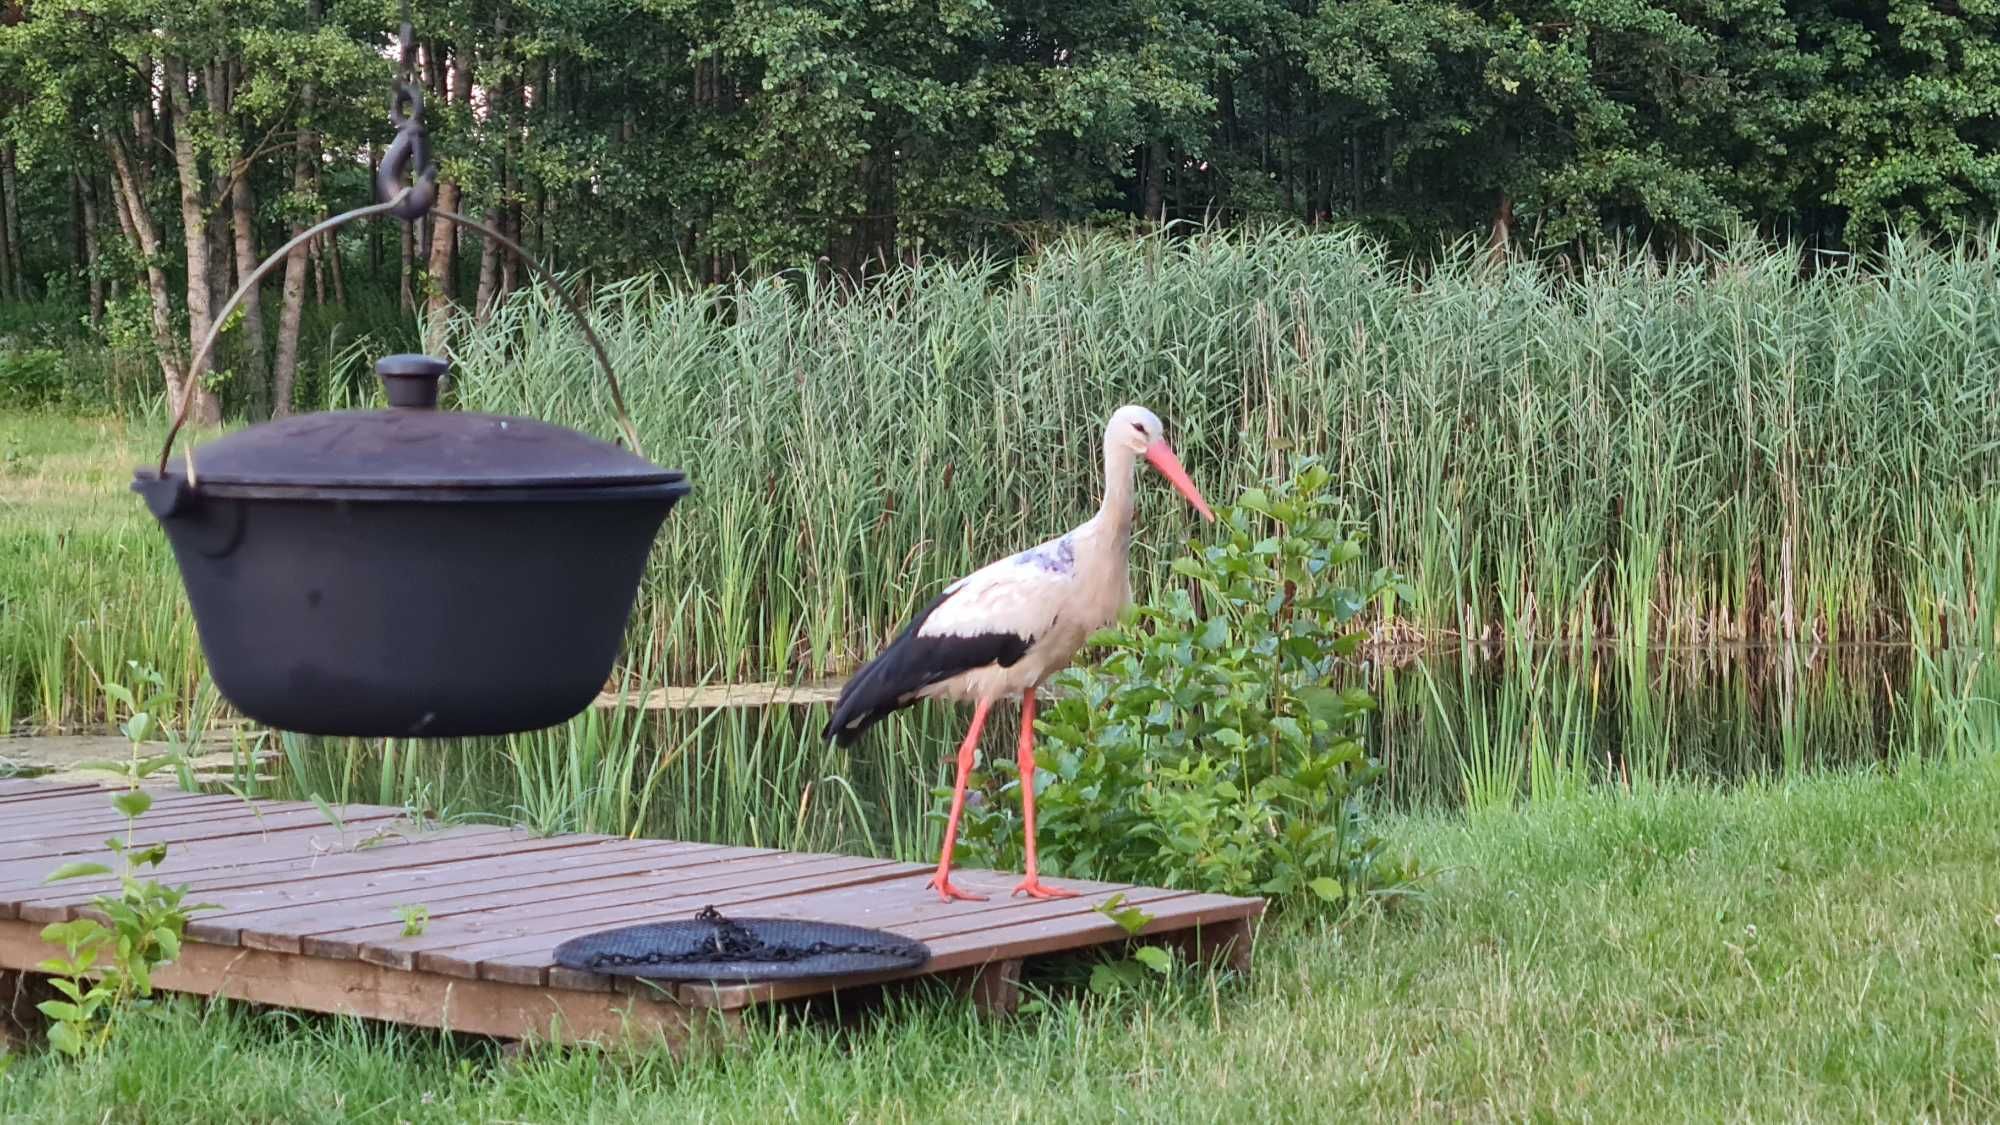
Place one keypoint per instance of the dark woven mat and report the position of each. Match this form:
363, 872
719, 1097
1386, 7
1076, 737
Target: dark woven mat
709, 947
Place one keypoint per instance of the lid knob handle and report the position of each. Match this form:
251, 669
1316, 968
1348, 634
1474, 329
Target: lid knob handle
411, 381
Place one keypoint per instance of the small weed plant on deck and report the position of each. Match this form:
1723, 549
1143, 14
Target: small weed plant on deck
1210, 749
107, 964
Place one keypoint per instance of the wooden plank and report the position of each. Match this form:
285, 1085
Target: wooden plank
1176, 910
954, 943
29, 788
205, 862
472, 936
614, 901
709, 696
1171, 910
903, 903
284, 848
528, 957
887, 904
205, 873
995, 987
200, 828
100, 817
1228, 943
20, 842
16, 804
501, 900
279, 917
273, 841
422, 999
269, 835
95, 805
340, 938
24, 808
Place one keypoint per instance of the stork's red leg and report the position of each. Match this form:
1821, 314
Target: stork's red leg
1031, 885
942, 880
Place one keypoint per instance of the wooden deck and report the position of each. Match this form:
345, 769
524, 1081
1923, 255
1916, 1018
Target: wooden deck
309, 916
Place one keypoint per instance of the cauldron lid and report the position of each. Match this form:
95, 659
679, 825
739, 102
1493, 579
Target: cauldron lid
416, 448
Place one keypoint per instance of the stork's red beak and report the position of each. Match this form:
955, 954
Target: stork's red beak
1162, 456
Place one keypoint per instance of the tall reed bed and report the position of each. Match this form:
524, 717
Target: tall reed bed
1473, 729
1645, 454
1486, 730
1635, 453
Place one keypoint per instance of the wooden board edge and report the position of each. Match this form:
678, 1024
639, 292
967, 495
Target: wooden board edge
1226, 917
353, 988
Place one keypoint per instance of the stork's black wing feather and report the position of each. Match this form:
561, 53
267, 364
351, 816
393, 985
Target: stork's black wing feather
911, 663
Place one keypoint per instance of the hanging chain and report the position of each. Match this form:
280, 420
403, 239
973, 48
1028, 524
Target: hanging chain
732, 942
410, 153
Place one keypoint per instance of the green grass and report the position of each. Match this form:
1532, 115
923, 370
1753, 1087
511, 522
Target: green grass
1816, 950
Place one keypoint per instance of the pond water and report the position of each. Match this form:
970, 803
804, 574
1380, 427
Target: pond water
1466, 728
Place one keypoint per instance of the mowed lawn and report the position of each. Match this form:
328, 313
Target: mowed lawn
1817, 950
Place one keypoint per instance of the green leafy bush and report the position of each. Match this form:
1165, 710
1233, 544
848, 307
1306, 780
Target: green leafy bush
109, 956
30, 377
1212, 748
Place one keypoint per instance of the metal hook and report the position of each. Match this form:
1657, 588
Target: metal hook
409, 154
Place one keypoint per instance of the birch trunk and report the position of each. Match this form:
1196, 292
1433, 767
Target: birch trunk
10, 194
86, 194
138, 225
244, 216
206, 410
286, 371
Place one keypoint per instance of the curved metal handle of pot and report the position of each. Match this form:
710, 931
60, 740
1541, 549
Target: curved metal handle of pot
575, 310
395, 207
192, 379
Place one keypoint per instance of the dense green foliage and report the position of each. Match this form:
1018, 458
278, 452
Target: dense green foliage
1812, 950
1203, 744
628, 134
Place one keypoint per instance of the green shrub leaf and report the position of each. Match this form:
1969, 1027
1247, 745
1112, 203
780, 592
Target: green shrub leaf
80, 869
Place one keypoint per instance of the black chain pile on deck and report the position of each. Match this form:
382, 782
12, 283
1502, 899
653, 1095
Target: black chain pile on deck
711, 947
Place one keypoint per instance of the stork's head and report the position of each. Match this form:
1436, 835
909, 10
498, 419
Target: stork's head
1136, 430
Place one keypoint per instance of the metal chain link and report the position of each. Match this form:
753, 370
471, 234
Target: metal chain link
410, 153
734, 943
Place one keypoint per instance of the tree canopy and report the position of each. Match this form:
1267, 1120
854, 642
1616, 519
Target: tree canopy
162, 145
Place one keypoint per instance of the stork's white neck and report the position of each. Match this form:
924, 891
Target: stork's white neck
1120, 466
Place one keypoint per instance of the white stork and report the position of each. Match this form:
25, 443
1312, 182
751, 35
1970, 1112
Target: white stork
1003, 630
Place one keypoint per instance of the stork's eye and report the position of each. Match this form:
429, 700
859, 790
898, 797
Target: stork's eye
1141, 427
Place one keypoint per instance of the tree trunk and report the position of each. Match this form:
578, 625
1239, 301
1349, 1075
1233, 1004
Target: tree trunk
375, 256
1503, 230
206, 410
443, 264
130, 198
86, 196
489, 275
10, 190
284, 376
77, 254
318, 249
244, 215
510, 176
6, 251
496, 212
1156, 182
334, 267
409, 256
218, 84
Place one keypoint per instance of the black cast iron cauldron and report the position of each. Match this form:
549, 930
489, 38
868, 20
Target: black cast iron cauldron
411, 572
